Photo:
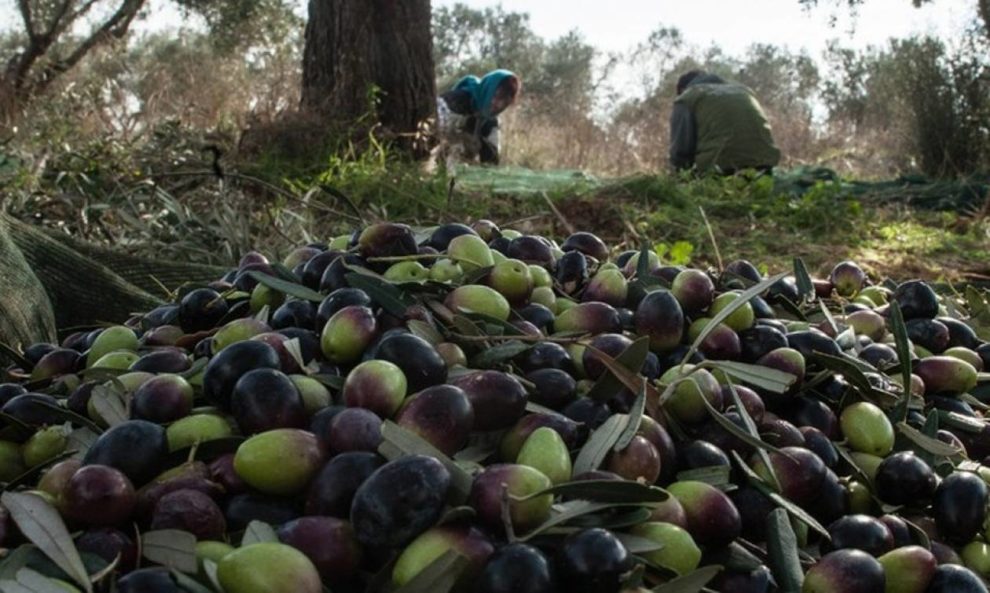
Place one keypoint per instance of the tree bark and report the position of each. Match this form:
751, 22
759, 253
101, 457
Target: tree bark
984, 7
359, 49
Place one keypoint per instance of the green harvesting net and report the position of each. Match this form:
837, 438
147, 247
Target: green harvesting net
49, 281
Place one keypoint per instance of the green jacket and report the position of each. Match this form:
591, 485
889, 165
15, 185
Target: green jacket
717, 125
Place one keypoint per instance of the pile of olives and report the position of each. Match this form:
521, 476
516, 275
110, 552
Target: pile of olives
467, 408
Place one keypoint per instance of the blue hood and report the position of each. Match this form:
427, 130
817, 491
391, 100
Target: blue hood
482, 90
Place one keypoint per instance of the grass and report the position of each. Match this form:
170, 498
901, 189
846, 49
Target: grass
173, 205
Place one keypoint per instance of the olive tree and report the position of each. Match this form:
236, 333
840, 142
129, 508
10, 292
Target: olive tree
370, 62
51, 37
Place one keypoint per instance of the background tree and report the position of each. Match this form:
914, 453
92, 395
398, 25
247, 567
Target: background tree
48, 45
982, 9
371, 58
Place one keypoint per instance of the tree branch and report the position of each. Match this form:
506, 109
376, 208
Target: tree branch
82, 10
28, 20
984, 7
54, 28
114, 28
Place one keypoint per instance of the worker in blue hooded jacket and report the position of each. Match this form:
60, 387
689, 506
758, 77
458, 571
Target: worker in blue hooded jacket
467, 116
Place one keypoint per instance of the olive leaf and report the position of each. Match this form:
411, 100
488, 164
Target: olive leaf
534, 408
790, 308
14, 561
690, 583
387, 295
927, 443
480, 446
335, 382
285, 287
615, 519
42, 525
643, 264
632, 358
759, 376
172, 548
635, 419
204, 450
109, 404
439, 576
476, 276
639, 545
806, 288
782, 549
829, 319
30, 581
601, 441
755, 432
15, 356
852, 369
782, 502
715, 475
283, 272
568, 511
398, 442
198, 365
739, 433
612, 491
859, 473
740, 300
189, 584
16, 423
258, 532
457, 515
425, 330
62, 413
33, 472
210, 570
903, 346
918, 534
960, 422
294, 348
632, 381
738, 557
504, 327
499, 354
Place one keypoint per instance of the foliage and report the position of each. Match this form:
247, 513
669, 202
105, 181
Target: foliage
934, 100
57, 37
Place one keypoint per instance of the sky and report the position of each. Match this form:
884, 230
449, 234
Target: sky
616, 25
734, 25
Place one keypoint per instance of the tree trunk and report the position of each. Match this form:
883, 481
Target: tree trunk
357, 47
404, 67
984, 8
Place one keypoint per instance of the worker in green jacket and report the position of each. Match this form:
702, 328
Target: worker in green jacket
719, 126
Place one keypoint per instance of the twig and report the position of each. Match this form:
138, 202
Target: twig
272, 188
412, 257
563, 220
512, 223
333, 191
711, 235
525, 338
450, 192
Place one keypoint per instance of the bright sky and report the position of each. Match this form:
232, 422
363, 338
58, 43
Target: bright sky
615, 25
735, 24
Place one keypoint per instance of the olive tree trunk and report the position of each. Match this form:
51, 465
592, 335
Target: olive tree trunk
369, 62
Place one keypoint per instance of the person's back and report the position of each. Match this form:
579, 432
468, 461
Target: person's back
718, 125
